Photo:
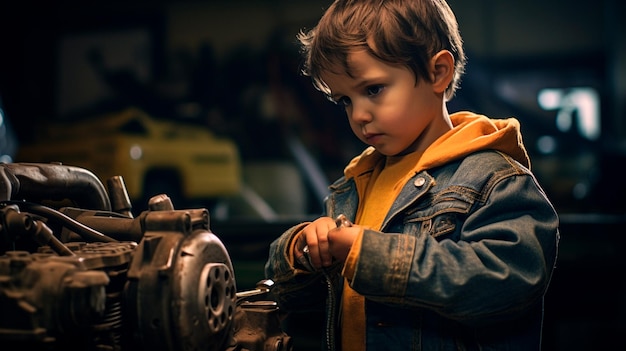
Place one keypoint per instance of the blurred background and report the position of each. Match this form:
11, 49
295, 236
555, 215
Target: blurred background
231, 68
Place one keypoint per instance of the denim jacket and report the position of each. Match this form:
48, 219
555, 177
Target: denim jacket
462, 262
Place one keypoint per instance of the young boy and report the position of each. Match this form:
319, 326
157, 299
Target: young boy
453, 243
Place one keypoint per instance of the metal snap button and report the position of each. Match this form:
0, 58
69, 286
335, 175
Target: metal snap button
419, 182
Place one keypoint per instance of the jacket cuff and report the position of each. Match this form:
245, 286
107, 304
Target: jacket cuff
353, 256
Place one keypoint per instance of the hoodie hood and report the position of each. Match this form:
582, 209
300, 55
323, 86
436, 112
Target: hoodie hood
470, 133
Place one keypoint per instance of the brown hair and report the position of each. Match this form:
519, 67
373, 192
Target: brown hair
398, 32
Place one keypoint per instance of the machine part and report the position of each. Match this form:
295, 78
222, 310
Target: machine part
262, 287
120, 201
342, 221
22, 224
52, 182
258, 328
95, 279
63, 302
181, 285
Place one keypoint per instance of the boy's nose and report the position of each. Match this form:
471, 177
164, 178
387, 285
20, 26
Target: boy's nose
360, 114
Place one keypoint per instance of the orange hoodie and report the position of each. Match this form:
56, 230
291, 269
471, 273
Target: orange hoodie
470, 133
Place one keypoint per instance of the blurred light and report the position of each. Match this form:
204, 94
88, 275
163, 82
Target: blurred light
136, 152
549, 99
580, 191
580, 103
4, 140
546, 144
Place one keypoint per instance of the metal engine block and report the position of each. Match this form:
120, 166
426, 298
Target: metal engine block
79, 272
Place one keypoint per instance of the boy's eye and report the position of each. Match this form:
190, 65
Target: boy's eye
343, 101
374, 89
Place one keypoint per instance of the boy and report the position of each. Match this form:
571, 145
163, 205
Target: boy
453, 243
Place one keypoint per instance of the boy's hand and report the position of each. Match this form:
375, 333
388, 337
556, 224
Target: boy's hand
315, 237
341, 239
326, 239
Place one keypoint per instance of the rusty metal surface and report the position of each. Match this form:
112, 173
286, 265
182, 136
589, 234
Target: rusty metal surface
93, 278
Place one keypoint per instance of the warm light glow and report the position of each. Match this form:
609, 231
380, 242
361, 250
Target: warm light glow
136, 152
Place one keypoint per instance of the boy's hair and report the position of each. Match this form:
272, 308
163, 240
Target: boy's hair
398, 32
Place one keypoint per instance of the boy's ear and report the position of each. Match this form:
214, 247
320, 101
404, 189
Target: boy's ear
442, 70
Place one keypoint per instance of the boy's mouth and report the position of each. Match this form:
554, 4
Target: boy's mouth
372, 138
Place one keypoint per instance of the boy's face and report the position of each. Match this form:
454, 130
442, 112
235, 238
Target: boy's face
385, 107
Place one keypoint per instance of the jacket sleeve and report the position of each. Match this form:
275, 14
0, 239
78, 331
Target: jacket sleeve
499, 263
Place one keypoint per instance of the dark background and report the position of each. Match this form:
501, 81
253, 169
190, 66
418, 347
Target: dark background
232, 66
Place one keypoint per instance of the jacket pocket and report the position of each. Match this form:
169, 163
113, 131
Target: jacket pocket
441, 219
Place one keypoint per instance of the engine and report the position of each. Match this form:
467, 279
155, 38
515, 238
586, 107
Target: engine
78, 271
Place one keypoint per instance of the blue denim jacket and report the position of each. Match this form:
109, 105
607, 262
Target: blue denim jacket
462, 262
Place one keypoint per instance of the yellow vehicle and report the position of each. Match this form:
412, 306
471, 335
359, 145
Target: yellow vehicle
153, 156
